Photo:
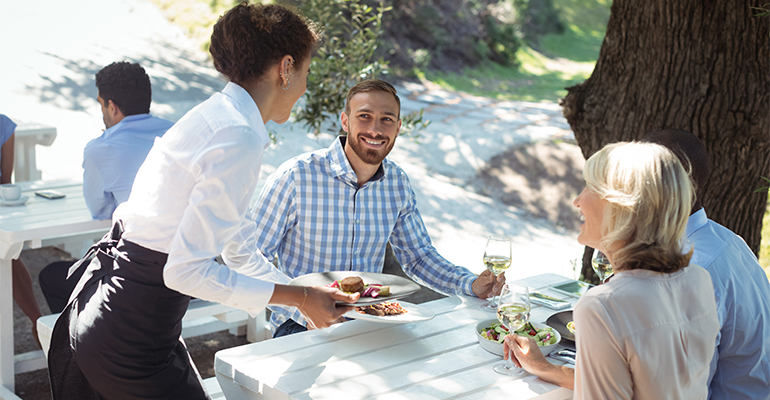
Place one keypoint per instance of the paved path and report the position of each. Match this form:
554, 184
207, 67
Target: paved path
52, 50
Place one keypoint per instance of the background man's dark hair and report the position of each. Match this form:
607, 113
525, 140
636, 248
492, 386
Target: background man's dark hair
372, 85
127, 85
691, 152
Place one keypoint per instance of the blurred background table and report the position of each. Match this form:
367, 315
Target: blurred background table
28, 136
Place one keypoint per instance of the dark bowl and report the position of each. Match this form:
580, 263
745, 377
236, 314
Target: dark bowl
559, 322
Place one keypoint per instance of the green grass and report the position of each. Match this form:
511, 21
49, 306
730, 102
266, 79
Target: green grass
544, 71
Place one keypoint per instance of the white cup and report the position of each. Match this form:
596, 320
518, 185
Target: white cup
10, 192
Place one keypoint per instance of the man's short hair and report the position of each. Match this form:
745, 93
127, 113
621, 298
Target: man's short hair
690, 150
127, 85
372, 85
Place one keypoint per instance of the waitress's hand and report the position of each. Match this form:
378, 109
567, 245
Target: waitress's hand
320, 308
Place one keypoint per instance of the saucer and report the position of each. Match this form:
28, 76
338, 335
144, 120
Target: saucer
21, 200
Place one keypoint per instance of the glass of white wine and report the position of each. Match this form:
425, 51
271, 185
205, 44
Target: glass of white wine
602, 267
497, 259
513, 313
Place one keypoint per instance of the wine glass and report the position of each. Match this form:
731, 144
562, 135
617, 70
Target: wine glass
513, 313
497, 258
602, 267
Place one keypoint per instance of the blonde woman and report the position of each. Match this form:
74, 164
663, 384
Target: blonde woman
649, 332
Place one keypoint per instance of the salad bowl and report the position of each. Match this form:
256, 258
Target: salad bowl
495, 347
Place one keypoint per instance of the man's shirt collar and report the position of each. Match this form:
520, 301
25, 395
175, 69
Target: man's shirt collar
340, 165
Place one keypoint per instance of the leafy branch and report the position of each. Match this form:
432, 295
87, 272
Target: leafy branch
352, 32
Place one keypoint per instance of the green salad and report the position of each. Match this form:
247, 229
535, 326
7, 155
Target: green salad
543, 336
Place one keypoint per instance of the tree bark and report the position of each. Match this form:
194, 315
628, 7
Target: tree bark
697, 65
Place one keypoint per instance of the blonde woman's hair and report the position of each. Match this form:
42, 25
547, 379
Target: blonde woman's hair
649, 195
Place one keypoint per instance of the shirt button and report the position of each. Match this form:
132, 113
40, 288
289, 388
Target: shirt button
355, 251
358, 221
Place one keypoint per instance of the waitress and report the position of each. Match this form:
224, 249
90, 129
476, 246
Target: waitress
119, 337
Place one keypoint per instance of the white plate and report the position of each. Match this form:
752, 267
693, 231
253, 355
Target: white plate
21, 200
497, 348
414, 313
399, 286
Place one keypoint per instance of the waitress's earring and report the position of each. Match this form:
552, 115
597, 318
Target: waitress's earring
288, 83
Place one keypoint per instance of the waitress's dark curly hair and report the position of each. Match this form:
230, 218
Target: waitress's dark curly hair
250, 38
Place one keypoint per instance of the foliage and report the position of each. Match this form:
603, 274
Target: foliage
541, 74
503, 41
352, 31
536, 18
762, 11
449, 35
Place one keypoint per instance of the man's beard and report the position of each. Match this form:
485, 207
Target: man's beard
370, 156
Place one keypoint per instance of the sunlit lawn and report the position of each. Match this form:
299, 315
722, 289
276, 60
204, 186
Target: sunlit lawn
545, 70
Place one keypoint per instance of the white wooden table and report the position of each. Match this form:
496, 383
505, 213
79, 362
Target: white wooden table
29, 224
435, 359
28, 135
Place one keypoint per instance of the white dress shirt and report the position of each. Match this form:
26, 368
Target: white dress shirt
191, 195
646, 335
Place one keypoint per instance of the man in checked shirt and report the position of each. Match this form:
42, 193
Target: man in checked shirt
336, 209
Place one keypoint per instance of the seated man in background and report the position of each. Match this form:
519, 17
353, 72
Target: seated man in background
336, 209
23, 294
740, 368
110, 161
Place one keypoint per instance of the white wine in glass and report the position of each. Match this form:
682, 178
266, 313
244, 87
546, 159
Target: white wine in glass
513, 312
497, 264
497, 259
602, 267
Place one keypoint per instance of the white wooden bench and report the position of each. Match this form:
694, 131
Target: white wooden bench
202, 317
212, 388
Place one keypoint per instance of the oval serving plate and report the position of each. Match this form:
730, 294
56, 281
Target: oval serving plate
414, 313
399, 286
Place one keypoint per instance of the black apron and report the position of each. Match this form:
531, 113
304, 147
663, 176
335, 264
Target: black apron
120, 335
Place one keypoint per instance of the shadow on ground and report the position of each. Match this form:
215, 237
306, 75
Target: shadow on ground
542, 178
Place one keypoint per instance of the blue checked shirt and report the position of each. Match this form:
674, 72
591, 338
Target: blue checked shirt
312, 215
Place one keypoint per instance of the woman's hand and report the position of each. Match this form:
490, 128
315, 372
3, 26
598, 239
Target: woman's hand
320, 307
526, 354
487, 284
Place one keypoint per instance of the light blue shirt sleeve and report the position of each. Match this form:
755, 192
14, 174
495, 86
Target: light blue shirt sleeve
740, 368
100, 203
7, 128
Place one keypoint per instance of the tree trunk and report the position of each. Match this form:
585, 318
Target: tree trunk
697, 65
